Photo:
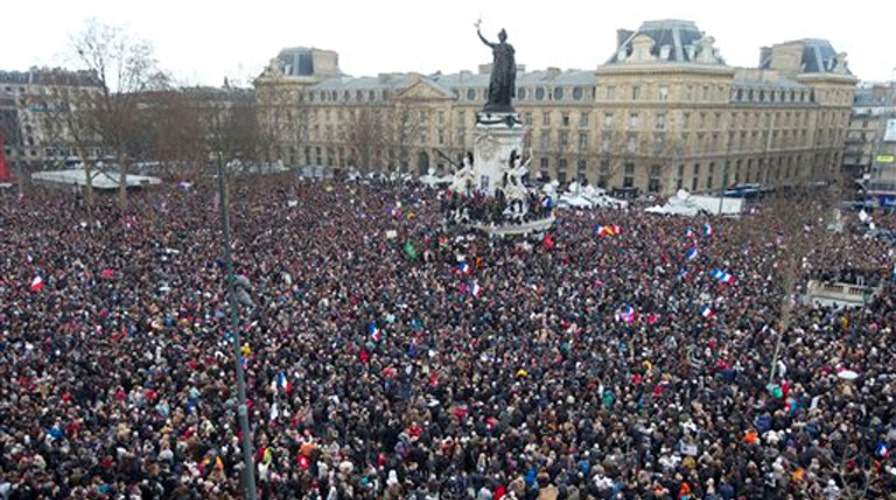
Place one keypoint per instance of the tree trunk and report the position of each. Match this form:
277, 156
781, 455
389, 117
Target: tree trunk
88, 185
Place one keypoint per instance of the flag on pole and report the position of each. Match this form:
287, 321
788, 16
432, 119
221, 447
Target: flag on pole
283, 383
475, 289
722, 276
37, 284
464, 268
691, 254
706, 312
707, 230
375, 333
30, 257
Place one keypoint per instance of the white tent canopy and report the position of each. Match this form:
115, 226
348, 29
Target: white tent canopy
101, 179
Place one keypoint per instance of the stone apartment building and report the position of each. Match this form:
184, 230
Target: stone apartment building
33, 128
663, 112
866, 152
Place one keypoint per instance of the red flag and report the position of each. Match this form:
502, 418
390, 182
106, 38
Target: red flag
548, 242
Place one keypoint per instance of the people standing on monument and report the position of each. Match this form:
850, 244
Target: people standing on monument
502, 85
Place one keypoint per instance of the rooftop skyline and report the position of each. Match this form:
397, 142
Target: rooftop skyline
202, 46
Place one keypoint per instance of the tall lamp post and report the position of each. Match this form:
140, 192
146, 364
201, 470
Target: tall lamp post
232, 284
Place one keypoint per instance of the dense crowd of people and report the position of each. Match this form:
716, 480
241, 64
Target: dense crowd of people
621, 355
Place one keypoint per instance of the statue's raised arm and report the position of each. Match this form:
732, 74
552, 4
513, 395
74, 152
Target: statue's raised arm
478, 32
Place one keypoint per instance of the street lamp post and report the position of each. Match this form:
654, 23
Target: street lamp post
242, 409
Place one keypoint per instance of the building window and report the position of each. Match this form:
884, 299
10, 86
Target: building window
546, 119
561, 170
632, 142
636, 92
577, 93
603, 177
527, 118
583, 119
581, 171
661, 121
628, 177
371, 96
583, 141
709, 175
695, 177
521, 93
539, 94
686, 120
611, 93
564, 120
653, 182
545, 140
471, 94
318, 159
737, 172
558, 93
607, 121
679, 179
563, 137
663, 93
634, 121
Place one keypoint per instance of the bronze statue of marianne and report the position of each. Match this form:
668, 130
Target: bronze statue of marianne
502, 86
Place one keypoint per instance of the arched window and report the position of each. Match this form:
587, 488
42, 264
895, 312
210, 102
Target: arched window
471, 94
577, 93
558, 93
539, 94
521, 93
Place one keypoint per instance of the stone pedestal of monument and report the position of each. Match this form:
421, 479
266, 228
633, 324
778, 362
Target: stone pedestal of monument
497, 135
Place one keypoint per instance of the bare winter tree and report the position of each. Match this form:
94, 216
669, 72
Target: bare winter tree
365, 133
125, 67
66, 118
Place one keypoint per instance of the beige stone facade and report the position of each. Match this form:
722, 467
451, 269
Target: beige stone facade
665, 112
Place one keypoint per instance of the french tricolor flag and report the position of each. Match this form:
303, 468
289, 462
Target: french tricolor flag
375, 333
689, 233
707, 230
683, 274
475, 289
283, 383
37, 284
882, 451
722, 276
30, 257
464, 268
691, 254
706, 312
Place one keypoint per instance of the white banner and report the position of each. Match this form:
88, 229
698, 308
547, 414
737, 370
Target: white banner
890, 133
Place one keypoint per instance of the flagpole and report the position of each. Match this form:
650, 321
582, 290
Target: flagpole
242, 408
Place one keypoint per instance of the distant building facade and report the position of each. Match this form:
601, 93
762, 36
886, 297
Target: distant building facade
33, 128
870, 152
664, 112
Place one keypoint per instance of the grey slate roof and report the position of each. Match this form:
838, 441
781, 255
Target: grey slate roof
675, 33
819, 56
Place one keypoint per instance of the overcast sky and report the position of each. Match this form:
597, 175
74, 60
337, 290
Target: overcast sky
201, 42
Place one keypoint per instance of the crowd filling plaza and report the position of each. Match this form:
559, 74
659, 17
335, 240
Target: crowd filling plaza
620, 354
